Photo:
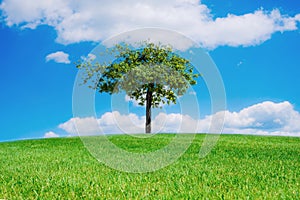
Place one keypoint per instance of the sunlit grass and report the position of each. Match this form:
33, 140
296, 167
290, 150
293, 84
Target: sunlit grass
243, 167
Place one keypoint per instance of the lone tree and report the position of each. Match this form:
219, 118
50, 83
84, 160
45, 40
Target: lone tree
152, 75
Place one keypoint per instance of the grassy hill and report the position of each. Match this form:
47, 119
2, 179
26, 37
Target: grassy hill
244, 167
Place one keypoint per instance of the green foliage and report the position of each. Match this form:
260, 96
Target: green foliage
154, 68
239, 167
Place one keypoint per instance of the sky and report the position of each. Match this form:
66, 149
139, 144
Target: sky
254, 44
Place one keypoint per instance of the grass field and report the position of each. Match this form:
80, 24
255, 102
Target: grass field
239, 167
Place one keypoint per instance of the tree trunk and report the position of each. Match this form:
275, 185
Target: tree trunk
148, 110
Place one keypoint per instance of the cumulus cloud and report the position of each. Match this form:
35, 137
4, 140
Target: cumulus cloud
91, 20
59, 57
266, 118
50, 134
128, 99
110, 122
89, 57
114, 122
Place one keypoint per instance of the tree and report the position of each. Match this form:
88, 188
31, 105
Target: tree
152, 75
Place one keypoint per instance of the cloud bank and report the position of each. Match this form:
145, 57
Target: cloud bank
50, 134
93, 20
266, 118
59, 57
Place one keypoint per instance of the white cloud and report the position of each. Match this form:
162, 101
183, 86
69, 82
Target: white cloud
89, 57
59, 57
114, 122
266, 118
175, 123
110, 122
50, 134
91, 20
86, 126
135, 102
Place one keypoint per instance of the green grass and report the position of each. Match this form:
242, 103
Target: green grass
239, 167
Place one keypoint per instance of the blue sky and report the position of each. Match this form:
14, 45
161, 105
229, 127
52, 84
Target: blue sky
255, 45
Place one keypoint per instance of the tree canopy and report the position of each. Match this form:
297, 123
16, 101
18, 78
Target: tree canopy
152, 74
